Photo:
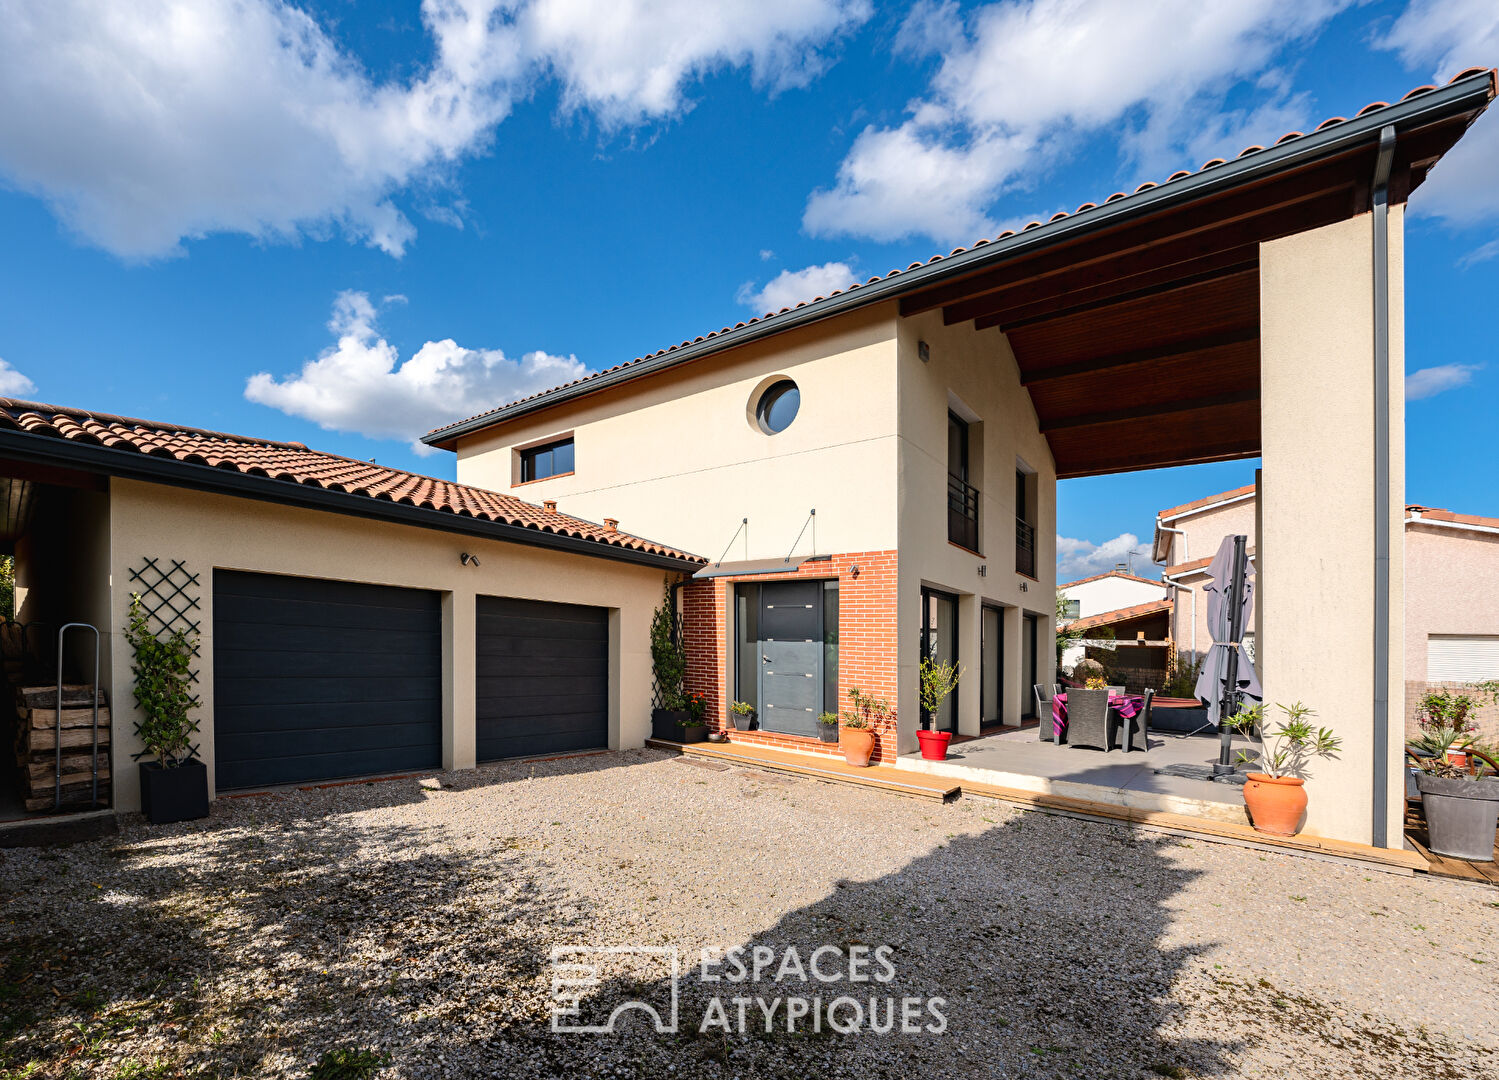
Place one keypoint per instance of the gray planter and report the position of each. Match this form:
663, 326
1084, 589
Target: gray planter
741, 721
1461, 815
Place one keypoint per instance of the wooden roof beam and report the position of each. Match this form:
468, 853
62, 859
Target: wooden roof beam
1148, 412
1099, 284
1066, 305
1133, 357
1198, 454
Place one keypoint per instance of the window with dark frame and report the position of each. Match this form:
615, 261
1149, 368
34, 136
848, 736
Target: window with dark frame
962, 497
549, 459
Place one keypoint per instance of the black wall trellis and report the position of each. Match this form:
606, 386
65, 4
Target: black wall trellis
169, 597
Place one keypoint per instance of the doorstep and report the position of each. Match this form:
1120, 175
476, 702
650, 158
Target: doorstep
815, 766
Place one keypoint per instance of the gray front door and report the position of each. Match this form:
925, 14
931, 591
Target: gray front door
791, 656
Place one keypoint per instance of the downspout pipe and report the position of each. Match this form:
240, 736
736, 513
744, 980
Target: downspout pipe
1186, 557
1381, 206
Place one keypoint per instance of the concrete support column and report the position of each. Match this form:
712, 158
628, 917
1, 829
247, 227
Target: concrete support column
970, 650
1016, 689
459, 692
1316, 565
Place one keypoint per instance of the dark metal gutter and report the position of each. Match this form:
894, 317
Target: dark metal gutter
1381, 205
1470, 94
34, 449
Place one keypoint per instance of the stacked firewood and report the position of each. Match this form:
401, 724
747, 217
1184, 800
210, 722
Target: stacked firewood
37, 719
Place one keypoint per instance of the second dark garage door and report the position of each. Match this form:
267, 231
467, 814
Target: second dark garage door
543, 677
317, 679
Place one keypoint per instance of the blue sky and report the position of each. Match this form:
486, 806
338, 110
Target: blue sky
346, 223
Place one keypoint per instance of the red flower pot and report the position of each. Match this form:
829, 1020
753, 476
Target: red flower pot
934, 744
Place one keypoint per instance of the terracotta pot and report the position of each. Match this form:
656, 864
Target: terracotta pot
857, 745
934, 744
1275, 803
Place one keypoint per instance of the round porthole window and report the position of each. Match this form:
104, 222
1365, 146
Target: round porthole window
778, 406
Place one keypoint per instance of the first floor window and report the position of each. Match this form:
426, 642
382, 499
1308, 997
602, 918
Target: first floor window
549, 459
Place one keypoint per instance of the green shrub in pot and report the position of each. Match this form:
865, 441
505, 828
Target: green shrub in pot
174, 786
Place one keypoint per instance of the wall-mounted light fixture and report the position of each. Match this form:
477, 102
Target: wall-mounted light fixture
924, 351
468, 560
853, 571
983, 570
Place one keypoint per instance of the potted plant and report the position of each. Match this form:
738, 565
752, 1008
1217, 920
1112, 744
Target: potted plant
1276, 796
742, 715
695, 728
174, 787
857, 732
669, 665
938, 680
1460, 801
827, 727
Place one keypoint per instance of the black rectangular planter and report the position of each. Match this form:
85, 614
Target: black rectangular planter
667, 724
176, 794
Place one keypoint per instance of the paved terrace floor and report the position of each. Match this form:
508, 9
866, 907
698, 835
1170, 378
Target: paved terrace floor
1017, 758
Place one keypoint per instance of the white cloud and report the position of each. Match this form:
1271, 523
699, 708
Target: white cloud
1082, 558
149, 123
790, 287
1428, 382
1449, 36
13, 383
1001, 108
362, 385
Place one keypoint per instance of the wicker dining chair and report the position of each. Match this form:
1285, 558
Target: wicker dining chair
1043, 693
1132, 732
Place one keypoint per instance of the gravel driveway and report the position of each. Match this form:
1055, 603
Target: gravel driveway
418, 924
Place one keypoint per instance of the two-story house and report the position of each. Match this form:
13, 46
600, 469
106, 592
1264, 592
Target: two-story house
873, 472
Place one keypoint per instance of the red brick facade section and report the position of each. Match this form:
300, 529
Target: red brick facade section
867, 636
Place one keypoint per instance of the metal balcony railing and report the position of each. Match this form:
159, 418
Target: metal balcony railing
1025, 547
962, 513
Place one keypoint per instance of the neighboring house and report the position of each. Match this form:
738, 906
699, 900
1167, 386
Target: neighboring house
1105, 600
351, 618
1187, 538
1451, 606
874, 472
1133, 643
1451, 590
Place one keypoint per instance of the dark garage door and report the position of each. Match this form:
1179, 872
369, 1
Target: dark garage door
543, 678
318, 679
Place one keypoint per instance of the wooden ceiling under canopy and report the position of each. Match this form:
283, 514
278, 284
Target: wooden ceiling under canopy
1140, 344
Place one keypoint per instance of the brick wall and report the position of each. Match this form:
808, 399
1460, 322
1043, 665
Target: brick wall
1485, 718
867, 635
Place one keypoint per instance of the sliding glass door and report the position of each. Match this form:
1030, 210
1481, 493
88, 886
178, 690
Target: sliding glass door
939, 642
1030, 628
992, 666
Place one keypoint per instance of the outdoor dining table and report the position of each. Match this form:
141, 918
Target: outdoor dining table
1128, 706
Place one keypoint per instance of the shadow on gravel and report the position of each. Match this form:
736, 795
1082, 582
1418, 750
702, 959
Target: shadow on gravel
1051, 969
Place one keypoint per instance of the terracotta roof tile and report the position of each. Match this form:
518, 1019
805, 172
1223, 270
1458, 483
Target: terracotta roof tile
295, 463
1332, 121
1436, 513
1206, 500
1113, 574
1119, 615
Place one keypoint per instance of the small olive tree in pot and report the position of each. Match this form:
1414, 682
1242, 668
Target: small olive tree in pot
174, 787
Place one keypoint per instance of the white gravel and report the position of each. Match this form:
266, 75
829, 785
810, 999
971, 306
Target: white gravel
418, 924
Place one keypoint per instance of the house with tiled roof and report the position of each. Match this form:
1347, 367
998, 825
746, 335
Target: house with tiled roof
347, 618
873, 472
863, 481
1116, 600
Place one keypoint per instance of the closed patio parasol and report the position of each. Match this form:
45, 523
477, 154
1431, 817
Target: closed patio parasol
1228, 675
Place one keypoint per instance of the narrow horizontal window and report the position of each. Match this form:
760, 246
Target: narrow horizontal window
551, 459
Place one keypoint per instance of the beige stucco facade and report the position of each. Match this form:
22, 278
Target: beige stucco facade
209, 532
1316, 600
1451, 588
678, 456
